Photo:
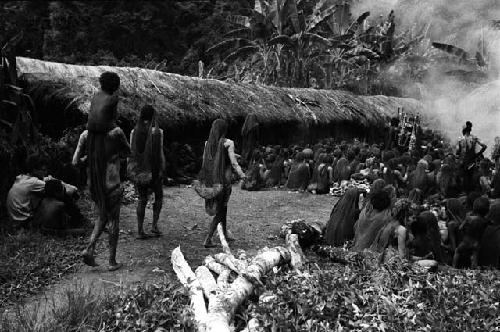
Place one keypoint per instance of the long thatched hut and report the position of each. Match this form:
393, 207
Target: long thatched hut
188, 105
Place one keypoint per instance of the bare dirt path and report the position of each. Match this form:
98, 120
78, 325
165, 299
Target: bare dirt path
254, 219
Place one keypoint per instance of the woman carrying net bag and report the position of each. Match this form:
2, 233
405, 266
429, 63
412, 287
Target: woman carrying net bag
214, 183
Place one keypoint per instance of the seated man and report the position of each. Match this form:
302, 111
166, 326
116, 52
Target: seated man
28, 190
26, 193
472, 229
298, 178
53, 215
489, 251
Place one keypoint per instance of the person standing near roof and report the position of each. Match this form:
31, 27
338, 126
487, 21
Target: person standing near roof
250, 135
146, 166
105, 144
467, 151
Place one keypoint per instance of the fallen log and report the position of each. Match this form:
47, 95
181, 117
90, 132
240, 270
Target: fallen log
297, 257
212, 265
188, 279
223, 279
231, 262
221, 310
207, 281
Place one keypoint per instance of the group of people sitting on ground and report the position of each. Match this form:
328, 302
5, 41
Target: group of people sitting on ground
427, 204
36, 200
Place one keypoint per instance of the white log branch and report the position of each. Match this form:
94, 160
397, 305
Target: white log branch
213, 266
188, 279
223, 279
231, 262
221, 309
207, 281
297, 256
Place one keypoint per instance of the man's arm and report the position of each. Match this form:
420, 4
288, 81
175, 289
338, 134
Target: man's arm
124, 147
483, 147
131, 136
81, 143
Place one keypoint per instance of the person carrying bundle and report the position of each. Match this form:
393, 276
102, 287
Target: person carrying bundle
105, 145
215, 177
146, 166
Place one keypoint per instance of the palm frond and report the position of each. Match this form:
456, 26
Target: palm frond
456, 51
241, 52
315, 38
228, 44
239, 20
319, 15
283, 40
239, 33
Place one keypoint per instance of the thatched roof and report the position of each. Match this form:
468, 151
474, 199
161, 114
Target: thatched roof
182, 99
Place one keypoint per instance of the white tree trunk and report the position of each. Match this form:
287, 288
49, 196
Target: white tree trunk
297, 256
207, 281
221, 310
231, 262
189, 280
223, 279
213, 266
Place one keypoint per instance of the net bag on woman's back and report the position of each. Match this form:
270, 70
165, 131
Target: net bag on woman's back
210, 187
142, 169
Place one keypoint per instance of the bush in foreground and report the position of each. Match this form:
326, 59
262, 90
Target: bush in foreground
146, 308
395, 297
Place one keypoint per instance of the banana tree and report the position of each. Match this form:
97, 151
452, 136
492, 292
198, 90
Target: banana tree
16, 106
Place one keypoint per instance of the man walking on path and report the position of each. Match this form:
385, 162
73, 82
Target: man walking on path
105, 144
146, 166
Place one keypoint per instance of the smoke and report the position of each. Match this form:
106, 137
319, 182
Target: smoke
448, 101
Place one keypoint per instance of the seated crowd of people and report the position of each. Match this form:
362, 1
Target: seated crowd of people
431, 203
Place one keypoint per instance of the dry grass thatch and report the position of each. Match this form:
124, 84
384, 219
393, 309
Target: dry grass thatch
182, 99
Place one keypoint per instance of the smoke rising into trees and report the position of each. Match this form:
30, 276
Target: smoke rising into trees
451, 100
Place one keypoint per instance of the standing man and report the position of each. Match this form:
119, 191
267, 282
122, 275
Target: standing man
467, 151
146, 166
105, 144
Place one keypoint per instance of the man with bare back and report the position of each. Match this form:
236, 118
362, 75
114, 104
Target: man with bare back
105, 145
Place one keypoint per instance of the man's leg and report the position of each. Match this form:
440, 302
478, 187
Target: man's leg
223, 217
114, 204
142, 192
88, 253
157, 205
211, 230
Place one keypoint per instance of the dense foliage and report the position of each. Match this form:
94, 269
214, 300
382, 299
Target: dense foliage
165, 35
287, 43
394, 297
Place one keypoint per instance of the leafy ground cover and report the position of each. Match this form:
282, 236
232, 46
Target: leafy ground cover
346, 292
30, 261
393, 297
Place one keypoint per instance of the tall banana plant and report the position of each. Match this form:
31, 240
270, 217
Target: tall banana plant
16, 106
249, 40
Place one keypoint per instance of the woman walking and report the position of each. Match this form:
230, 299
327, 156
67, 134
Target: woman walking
146, 166
218, 158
